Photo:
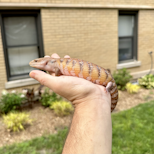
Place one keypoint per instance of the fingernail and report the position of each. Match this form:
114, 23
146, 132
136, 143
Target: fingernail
32, 74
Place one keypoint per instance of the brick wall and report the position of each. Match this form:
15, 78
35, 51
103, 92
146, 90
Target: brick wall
99, 2
89, 34
82, 33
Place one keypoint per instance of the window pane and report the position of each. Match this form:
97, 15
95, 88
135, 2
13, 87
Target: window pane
20, 57
126, 25
20, 30
125, 49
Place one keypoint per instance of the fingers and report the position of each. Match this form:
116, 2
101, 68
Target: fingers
66, 56
46, 79
54, 55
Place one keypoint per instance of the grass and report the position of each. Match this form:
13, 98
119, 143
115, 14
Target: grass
133, 130
133, 133
51, 143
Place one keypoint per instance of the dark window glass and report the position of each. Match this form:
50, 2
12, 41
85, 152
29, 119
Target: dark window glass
125, 49
21, 42
127, 37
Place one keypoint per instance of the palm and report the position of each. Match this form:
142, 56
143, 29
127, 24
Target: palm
74, 88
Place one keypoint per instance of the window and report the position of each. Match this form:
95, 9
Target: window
22, 41
127, 32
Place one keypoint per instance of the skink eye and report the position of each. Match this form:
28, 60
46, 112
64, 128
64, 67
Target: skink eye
53, 61
35, 60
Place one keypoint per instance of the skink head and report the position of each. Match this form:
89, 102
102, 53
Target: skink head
38, 62
46, 63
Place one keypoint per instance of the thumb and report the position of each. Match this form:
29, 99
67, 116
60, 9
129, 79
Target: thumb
45, 79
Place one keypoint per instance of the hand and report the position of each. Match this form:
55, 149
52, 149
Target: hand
91, 128
72, 88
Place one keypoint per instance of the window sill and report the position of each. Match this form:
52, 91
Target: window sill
20, 83
129, 65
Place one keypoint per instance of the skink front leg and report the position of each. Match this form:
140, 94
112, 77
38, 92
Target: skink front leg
57, 72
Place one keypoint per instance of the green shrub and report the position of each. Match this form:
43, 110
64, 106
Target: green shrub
16, 121
147, 81
62, 108
132, 88
10, 101
48, 98
122, 77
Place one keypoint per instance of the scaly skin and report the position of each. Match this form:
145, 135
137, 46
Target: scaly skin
81, 69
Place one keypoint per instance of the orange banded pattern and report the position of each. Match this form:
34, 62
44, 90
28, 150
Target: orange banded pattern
82, 69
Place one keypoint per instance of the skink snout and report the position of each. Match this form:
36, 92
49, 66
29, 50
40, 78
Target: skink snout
34, 62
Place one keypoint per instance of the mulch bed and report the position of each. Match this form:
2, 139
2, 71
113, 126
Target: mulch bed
46, 122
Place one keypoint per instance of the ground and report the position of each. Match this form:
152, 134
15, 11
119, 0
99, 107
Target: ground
45, 121
127, 101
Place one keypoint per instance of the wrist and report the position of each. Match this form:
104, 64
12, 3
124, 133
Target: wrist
94, 107
101, 101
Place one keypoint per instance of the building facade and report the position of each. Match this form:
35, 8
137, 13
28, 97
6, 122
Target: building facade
113, 34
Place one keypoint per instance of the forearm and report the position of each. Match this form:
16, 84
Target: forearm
90, 131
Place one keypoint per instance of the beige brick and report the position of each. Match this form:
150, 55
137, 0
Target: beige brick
81, 33
89, 34
88, 2
4, 1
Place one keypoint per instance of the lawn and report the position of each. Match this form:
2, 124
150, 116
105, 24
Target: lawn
133, 133
51, 144
133, 130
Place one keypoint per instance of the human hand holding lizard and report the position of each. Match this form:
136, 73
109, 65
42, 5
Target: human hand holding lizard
90, 131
